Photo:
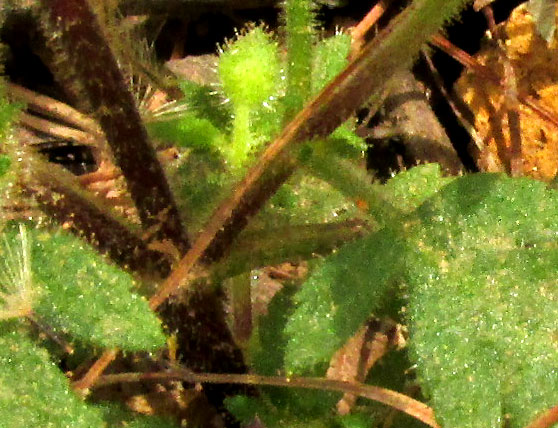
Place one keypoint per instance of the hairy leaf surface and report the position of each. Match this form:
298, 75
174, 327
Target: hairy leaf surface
33, 391
81, 294
357, 281
483, 301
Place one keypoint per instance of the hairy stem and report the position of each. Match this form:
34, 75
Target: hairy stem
93, 76
58, 195
255, 249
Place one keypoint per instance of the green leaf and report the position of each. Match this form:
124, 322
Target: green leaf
88, 298
483, 306
188, 131
338, 297
115, 416
330, 57
33, 391
204, 102
409, 189
544, 14
356, 281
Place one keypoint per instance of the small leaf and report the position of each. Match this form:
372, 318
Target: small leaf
187, 131
409, 189
88, 298
330, 57
544, 13
33, 391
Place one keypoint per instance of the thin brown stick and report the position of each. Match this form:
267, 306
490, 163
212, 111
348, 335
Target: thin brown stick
57, 130
451, 101
385, 396
547, 419
510, 97
96, 370
360, 30
486, 73
53, 108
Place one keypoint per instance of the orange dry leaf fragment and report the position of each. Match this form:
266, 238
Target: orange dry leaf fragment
536, 70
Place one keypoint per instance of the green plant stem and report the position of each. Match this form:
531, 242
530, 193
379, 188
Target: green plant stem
241, 137
354, 182
93, 78
255, 249
299, 27
388, 397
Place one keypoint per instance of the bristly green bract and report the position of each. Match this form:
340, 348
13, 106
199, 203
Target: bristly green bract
250, 74
82, 295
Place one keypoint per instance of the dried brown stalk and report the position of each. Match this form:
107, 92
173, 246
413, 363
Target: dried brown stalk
58, 131
358, 33
54, 108
92, 375
388, 397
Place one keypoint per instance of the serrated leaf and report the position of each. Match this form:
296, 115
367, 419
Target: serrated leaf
484, 305
33, 391
88, 298
544, 14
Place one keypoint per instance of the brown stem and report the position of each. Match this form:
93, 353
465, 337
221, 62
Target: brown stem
359, 31
86, 67
547, 419
96, 370
58, 131
54, 108
385, 396
56, 191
